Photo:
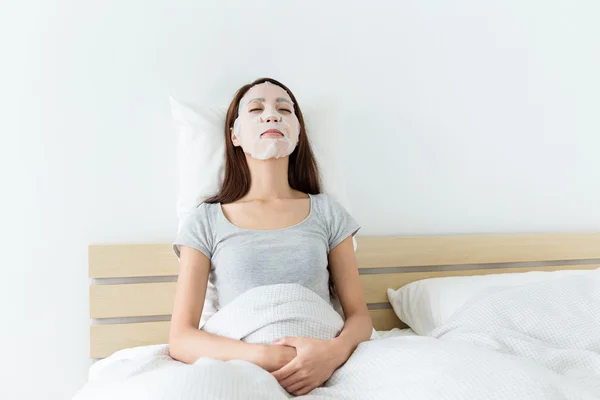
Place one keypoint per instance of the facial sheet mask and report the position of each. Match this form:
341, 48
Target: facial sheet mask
267, 126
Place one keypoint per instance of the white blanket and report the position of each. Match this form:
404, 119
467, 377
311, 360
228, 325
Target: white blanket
539, 341
267, 313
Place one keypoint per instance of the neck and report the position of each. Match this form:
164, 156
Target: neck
269, 179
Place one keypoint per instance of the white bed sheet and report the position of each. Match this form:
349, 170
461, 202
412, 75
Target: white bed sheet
514, 343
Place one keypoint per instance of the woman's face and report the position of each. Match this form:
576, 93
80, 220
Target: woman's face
266, 126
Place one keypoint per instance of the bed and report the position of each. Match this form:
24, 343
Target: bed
132, 288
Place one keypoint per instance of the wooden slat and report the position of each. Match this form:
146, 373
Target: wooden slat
113, 261
385, 320
383, 252
147, 299
132, 260
106, 339
375, 285
131, 300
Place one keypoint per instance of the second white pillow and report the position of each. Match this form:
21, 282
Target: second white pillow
426, 304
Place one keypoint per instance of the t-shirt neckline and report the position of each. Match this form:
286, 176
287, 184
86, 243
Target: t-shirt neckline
310, 213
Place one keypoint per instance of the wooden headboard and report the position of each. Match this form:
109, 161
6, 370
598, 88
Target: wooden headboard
133, 285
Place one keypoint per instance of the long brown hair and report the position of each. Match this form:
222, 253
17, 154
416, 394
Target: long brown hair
303, 174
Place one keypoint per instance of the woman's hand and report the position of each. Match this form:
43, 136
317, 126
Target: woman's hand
273, 357
314, 364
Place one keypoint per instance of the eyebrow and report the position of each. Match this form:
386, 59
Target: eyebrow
277, 100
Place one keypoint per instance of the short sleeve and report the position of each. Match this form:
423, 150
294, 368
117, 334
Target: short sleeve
340, 223
196, 233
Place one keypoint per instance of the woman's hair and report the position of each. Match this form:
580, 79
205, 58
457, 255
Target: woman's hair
303, 174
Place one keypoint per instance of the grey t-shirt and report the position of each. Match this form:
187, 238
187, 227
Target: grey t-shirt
242, 259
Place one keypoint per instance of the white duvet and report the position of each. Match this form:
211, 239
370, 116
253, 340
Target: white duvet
537, 341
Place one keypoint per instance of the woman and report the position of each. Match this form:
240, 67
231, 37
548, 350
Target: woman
269, 225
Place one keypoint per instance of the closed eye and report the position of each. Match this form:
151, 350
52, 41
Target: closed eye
255, 109
285, 110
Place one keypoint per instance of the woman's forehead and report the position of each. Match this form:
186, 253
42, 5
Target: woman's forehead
264, 92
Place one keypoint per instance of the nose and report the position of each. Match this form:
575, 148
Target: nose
272, 118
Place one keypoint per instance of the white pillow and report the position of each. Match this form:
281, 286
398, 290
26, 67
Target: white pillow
200, 154
426, 304
201, 160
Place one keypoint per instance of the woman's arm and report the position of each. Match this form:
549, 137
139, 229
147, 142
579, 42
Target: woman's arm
187, 343
344, 273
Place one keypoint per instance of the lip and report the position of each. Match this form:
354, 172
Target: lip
272, 133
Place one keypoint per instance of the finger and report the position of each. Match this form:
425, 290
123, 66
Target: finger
285, 371
305, 390
296, 386
290, 380
286, 341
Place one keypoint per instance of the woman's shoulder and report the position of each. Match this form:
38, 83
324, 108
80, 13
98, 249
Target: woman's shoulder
196, 231
320, 199
338, 222
208, 207
325, 204
205, 213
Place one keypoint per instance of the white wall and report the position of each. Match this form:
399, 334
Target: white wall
475, 116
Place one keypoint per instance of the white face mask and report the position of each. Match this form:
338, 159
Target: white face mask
266, 126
